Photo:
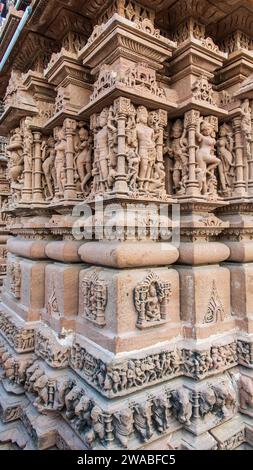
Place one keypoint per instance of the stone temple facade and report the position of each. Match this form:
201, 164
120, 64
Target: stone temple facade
126, 184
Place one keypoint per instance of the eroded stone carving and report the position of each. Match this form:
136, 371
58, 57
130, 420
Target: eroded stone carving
94, 291
151, 299
245, 385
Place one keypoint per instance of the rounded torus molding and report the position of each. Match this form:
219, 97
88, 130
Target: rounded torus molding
4, 238
198, 253
32, 249
240, 252
64, 251
128, 254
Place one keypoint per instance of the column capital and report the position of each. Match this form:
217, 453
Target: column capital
70, 126
191, 118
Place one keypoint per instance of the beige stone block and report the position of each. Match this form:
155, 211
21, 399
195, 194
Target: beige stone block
205, 300
61, 295
25, 287
116, 307
242, 295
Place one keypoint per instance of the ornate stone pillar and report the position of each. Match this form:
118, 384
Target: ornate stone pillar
28, 160
37, 189
122, 106
191, 119
250, 161
239, 164
70, 128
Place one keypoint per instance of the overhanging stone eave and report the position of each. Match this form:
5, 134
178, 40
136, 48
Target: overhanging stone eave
9, 29
205, 108
12, 115
120, 90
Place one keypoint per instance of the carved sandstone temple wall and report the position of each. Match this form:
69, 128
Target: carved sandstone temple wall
122, 339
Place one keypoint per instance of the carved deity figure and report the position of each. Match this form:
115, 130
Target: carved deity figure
123, 426
142, 421
146, 147
28, 148
60, 160
83, 159
48, 167
178, 152
246, 392
151, 300
225, 145
105, 141
16, 162
246, 125
14, 270
205, 157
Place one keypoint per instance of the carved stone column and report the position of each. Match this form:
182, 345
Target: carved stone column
239, 164
28, 161
122, 106
250, 161
70, 127
37, 189
191, 119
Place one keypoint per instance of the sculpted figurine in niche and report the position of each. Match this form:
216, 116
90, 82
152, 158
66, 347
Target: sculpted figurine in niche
225, 146
48, 167
28, 147
83, 162
16, 163
246, 125
60, 157
151, 301
178, 152
146, 147
205, 158
104, 161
